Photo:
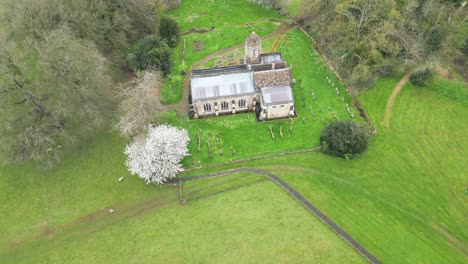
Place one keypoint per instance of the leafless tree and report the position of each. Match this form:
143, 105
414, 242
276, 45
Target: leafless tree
139, 102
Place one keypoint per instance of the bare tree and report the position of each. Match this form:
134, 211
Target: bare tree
139, 102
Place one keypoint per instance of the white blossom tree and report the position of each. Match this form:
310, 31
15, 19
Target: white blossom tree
155, 158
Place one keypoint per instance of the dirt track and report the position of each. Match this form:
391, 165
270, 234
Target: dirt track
391, 100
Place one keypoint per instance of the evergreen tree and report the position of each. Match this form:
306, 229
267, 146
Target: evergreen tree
169, 31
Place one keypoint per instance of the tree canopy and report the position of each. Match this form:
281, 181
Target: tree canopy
151, 52
169, 31
344, 139
48, 93
54, 71
156, 157
139, 102
111, 24
369, 38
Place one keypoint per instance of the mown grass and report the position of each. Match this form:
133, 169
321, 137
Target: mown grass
201, 188
405, 198
240, 136
258, 223
228, 24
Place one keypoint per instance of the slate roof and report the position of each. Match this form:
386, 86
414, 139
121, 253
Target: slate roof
266, 58
228, 82
277, 95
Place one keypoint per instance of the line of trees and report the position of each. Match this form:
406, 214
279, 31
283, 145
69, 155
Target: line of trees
371, 38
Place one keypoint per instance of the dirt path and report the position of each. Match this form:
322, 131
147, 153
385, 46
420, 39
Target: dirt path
277, 42
302, 200
391, 100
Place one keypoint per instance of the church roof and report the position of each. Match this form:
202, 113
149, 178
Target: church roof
220, 83
271, 57
269, 78
277, 95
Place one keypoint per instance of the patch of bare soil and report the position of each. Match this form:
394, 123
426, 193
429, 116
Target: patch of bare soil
277, 42
197, 30
444, 73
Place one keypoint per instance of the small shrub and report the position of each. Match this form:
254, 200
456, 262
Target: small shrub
169, 31
421, 78
344, 139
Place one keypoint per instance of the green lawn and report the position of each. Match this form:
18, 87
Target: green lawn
404, 199
258, 223
33, 199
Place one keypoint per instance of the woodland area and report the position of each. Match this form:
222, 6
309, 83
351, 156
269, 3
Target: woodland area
369, 38
57, 60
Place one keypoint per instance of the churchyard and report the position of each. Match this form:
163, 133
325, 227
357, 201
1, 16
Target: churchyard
319, 99
403, 199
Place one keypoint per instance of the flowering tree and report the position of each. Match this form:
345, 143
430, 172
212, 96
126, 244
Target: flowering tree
155, 158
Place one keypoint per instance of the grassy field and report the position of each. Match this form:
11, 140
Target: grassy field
258, 223
34, 199
234, 136
405, 198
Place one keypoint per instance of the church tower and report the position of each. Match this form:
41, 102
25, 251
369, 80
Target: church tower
253, 49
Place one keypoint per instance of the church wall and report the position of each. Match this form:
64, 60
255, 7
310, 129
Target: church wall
198, 105
278, 111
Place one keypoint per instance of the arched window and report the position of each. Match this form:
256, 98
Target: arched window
224, 105
207, 107
242, 103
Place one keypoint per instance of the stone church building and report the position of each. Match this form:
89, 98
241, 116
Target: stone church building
261, 85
